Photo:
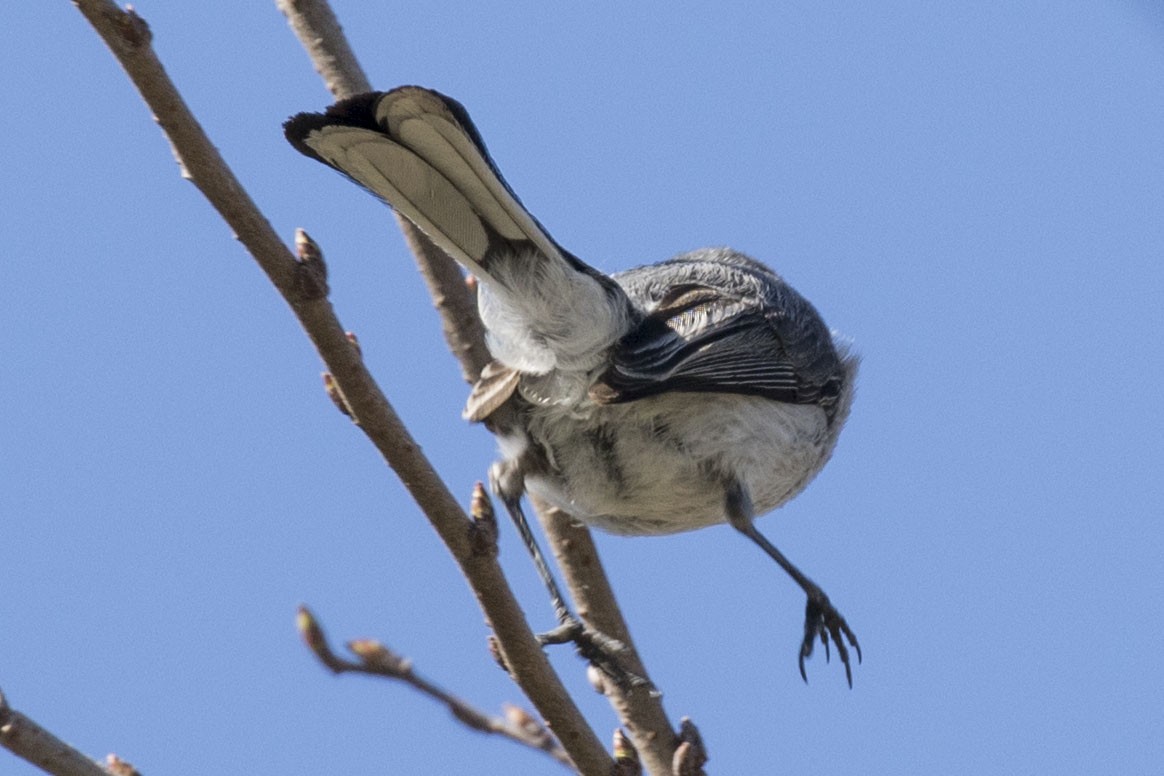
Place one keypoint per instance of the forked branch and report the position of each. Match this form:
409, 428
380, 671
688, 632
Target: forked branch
375, 659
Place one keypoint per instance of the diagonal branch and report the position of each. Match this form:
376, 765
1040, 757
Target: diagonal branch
128, 37
640, 710
318, 29
377, 660
320, 33
31, 742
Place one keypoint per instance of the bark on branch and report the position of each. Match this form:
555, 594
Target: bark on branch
128, 37
641, 712
29, 741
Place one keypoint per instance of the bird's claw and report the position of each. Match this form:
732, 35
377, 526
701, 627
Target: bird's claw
823, 621
599, 650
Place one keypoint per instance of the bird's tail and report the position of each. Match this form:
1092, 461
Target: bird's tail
418, 151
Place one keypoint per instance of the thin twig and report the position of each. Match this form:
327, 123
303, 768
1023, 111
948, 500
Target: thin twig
375, 659
31, 742
128, 37
640, 710
322, 36
457, 306
318, 29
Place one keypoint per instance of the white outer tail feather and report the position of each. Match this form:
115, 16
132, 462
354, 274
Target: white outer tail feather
432, 172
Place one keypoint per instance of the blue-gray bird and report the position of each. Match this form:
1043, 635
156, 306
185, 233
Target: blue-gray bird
673, 396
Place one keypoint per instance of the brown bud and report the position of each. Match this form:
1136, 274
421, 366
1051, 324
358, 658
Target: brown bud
626, 757
519, 718
495, 651
355, 343
311, 279
484, 530
689, 755
336, 395
310, 631
306, 249
368, 649
377, 656
532, 730
134, 29
118, 767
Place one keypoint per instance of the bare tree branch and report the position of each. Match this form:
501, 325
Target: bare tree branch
318, 29
321, 35
377, 660
128, 37
29, 741
640, 710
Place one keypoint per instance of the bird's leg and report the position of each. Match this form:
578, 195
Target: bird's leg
821, 618
593, 645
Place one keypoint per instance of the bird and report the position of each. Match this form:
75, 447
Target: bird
696, 391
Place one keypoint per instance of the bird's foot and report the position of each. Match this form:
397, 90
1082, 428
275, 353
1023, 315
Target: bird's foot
600, 650
823, 621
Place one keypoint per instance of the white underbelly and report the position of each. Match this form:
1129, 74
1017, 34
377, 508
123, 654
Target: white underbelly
661, 465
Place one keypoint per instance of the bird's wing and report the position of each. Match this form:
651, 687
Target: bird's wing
701, 339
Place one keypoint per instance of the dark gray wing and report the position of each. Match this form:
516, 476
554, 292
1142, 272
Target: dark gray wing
722, 327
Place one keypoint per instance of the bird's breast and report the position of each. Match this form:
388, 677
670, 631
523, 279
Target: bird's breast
662, 464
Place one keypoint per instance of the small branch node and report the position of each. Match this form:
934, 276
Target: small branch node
626, 757
134, 30
483, 532
377, 657
313, 636
336, 395
351, 335
690, 755
523, 724
311, 269
494, 645
118, 767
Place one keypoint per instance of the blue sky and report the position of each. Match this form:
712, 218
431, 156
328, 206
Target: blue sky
972, 193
